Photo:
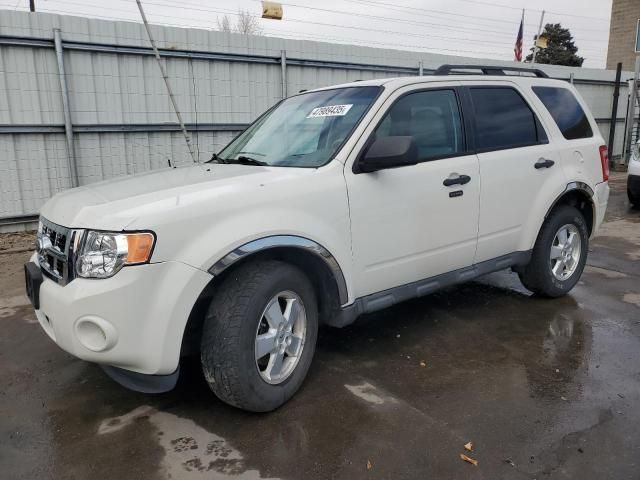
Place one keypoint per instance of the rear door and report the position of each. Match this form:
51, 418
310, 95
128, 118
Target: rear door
519, 168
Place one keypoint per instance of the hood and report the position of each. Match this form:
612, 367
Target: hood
116, 204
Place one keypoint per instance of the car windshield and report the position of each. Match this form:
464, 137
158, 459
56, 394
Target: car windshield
302, 131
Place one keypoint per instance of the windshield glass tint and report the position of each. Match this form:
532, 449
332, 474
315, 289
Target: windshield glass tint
305, 130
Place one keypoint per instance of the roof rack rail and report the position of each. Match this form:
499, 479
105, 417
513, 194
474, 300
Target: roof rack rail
486, 70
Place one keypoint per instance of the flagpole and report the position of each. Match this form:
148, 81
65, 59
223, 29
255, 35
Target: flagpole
535, 43
517, 49
522, 23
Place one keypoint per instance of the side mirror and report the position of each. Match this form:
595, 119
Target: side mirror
388, 152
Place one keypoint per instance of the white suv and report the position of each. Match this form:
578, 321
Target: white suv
334, 203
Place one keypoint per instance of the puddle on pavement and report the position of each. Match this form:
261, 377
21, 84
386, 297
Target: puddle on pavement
370, 394
613, 274
625, 230
632, 298
6, 312
9, 306
190, 451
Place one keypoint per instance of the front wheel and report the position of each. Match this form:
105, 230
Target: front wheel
559, 254
259, 335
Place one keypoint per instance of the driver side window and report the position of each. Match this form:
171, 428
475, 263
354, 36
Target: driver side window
432, 118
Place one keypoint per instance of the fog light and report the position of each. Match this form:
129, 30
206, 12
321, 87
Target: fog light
95, 334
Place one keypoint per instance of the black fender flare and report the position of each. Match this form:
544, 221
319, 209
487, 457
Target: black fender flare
287, 241
575, 187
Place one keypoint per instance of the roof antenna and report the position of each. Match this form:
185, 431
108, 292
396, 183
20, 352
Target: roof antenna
166, 82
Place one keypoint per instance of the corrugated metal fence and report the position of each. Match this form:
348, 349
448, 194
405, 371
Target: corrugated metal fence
119, 116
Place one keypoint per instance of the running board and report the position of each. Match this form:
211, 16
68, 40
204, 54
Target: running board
387, 298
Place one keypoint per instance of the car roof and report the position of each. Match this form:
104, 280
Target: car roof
397, 82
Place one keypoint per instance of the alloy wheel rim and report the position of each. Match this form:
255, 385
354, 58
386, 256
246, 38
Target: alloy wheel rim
566, 250
280, 337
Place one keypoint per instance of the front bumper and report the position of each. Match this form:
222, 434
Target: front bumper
134, 320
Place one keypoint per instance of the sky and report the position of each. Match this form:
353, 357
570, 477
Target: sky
474, 28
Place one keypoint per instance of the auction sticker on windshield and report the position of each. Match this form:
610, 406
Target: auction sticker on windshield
330, 111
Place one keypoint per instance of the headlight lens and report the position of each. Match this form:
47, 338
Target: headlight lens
103, 254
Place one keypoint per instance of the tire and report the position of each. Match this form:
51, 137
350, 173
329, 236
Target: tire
238, 314
538, 276
634, 201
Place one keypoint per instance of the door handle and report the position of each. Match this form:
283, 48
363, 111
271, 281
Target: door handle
455, 179
544, 163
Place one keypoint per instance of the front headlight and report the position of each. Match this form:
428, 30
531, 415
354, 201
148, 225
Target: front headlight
103, 254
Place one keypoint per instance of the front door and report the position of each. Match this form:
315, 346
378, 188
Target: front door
407, 224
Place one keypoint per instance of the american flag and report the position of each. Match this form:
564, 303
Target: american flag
517, 50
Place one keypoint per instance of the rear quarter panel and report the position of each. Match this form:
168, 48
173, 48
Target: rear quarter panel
579, 159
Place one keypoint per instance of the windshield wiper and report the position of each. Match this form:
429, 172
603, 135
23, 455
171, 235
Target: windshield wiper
216, 159
254, 153
242, 160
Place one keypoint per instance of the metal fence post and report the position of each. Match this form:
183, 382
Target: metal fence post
283, 65
420, 68
632, 111
614, 113
68, 126
626, 120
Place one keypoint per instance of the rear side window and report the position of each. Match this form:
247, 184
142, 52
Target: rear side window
566, 111
504, 120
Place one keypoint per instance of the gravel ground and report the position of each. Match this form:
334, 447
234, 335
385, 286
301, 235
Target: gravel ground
11, 242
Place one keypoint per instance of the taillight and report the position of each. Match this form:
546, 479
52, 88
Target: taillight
604, 159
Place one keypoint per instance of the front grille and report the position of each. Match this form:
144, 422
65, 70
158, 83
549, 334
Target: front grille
56, 248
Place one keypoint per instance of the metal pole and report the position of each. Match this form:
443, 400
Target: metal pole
165, 77
32, 5
614, 112
626, 118
632, 111
68, 126
535, 45
420, 68
571, 78
283, 66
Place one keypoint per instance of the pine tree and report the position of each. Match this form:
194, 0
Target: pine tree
560, 48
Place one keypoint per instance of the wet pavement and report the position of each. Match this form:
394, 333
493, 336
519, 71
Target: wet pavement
543, 389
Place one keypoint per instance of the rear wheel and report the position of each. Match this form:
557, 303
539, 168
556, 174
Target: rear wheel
559, 255
259, 335
633, 200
